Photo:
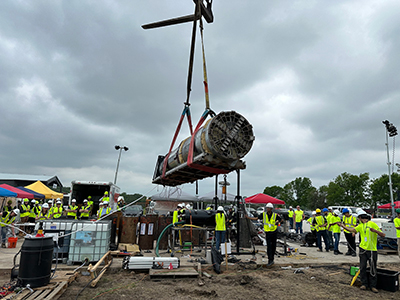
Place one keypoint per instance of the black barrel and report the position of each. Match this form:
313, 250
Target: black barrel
200, 217
35, 262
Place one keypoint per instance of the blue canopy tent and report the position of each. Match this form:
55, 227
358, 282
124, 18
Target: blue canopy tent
7, 193
35, 194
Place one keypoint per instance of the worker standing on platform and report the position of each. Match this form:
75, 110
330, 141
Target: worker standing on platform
99, 210
299, 217
220, 228
104, 211
72, 210
57, 210
349, 221
290, 214
44, 213
369, 232
270, 221
85, 210
396, 222
105, 198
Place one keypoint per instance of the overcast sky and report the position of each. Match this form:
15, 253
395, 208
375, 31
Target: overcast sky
314, 78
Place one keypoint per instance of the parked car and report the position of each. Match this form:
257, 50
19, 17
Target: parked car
133, 211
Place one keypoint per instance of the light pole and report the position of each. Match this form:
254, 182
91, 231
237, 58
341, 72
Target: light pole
391, 131
119, 158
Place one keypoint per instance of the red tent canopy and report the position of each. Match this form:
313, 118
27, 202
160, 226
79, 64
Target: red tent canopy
20, 193
389, 205
263, 199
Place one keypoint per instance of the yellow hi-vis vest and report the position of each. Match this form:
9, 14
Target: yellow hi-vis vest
220, 222
175, 217
70, 213
311, 220
320, 221
57, 212
269, 225
108, 210
26, 209
42, 216
351, 222
83, 214
291, 213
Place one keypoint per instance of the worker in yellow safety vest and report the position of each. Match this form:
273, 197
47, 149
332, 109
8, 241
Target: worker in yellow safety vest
320, 224
299, 217
72, 210
175, 214
85, 210
349, 221
220, 227
290, 214
7, 218
25, 211
99, 210
334, 224
57, 210
396, 222
270, 221
44, 213
105, 198
310, 221
369, 232
104, 211
8, 207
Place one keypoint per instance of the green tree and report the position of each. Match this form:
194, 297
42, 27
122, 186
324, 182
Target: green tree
380, 193
274, 191
299, 192
317, 198
348, 189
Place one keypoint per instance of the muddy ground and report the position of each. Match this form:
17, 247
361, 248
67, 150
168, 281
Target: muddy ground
240, 282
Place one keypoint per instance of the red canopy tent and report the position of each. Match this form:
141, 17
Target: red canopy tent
20, 193
263, 199
389, 205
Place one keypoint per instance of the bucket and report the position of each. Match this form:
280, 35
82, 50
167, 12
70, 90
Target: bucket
12, 242
36, 260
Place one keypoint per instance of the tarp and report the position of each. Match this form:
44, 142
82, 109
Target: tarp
263, 199
36, 195
20, 193
389, 205
39, 187
7, 193
221, 197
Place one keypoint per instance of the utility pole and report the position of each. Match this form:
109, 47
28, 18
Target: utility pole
119, 158
391, 131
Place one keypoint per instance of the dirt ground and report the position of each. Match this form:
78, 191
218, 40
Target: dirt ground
240, 282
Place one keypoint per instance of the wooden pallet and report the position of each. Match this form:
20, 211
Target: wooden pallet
53, 290
175, 273
387, 251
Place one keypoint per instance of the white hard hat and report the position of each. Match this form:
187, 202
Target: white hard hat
73, 200
336, 212
361, 212
84, 200
179, 205
269, 205
188, 206
183, 205
16, 211
58, 202
220, 208
120, 198
33, 201
58, 199
314, 212
330, 207
290, 206
100, 203
105, 202
50, 201
45, 205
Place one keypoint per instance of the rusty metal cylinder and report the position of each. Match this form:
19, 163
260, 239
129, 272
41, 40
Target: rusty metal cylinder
227, 138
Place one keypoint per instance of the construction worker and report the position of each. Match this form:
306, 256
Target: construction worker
349, 221
335, 222
105, 198
34, 211
299, 217
329, 233
85, 210
99, 210
312, 227
104, 211
270, 221
7, 218
72, 210
8, 207
369, 232
175, 218
290, 214
44, 214
320, 224
220, 227
396, 222
57, 210
182, 212
25, 209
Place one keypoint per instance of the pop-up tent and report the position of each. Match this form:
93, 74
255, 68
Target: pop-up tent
263, 199
20, 193
7, 193
36, 195
40, 188
389, 205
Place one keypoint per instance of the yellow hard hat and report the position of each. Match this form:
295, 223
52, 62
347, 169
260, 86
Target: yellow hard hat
105, 193
317, 210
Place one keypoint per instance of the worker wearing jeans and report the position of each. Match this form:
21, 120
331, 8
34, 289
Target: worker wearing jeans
220, 228
320, 225
299, 217
335, 226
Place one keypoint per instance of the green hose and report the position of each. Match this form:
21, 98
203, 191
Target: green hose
162, 233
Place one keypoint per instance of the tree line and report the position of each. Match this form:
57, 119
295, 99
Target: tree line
345, 190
